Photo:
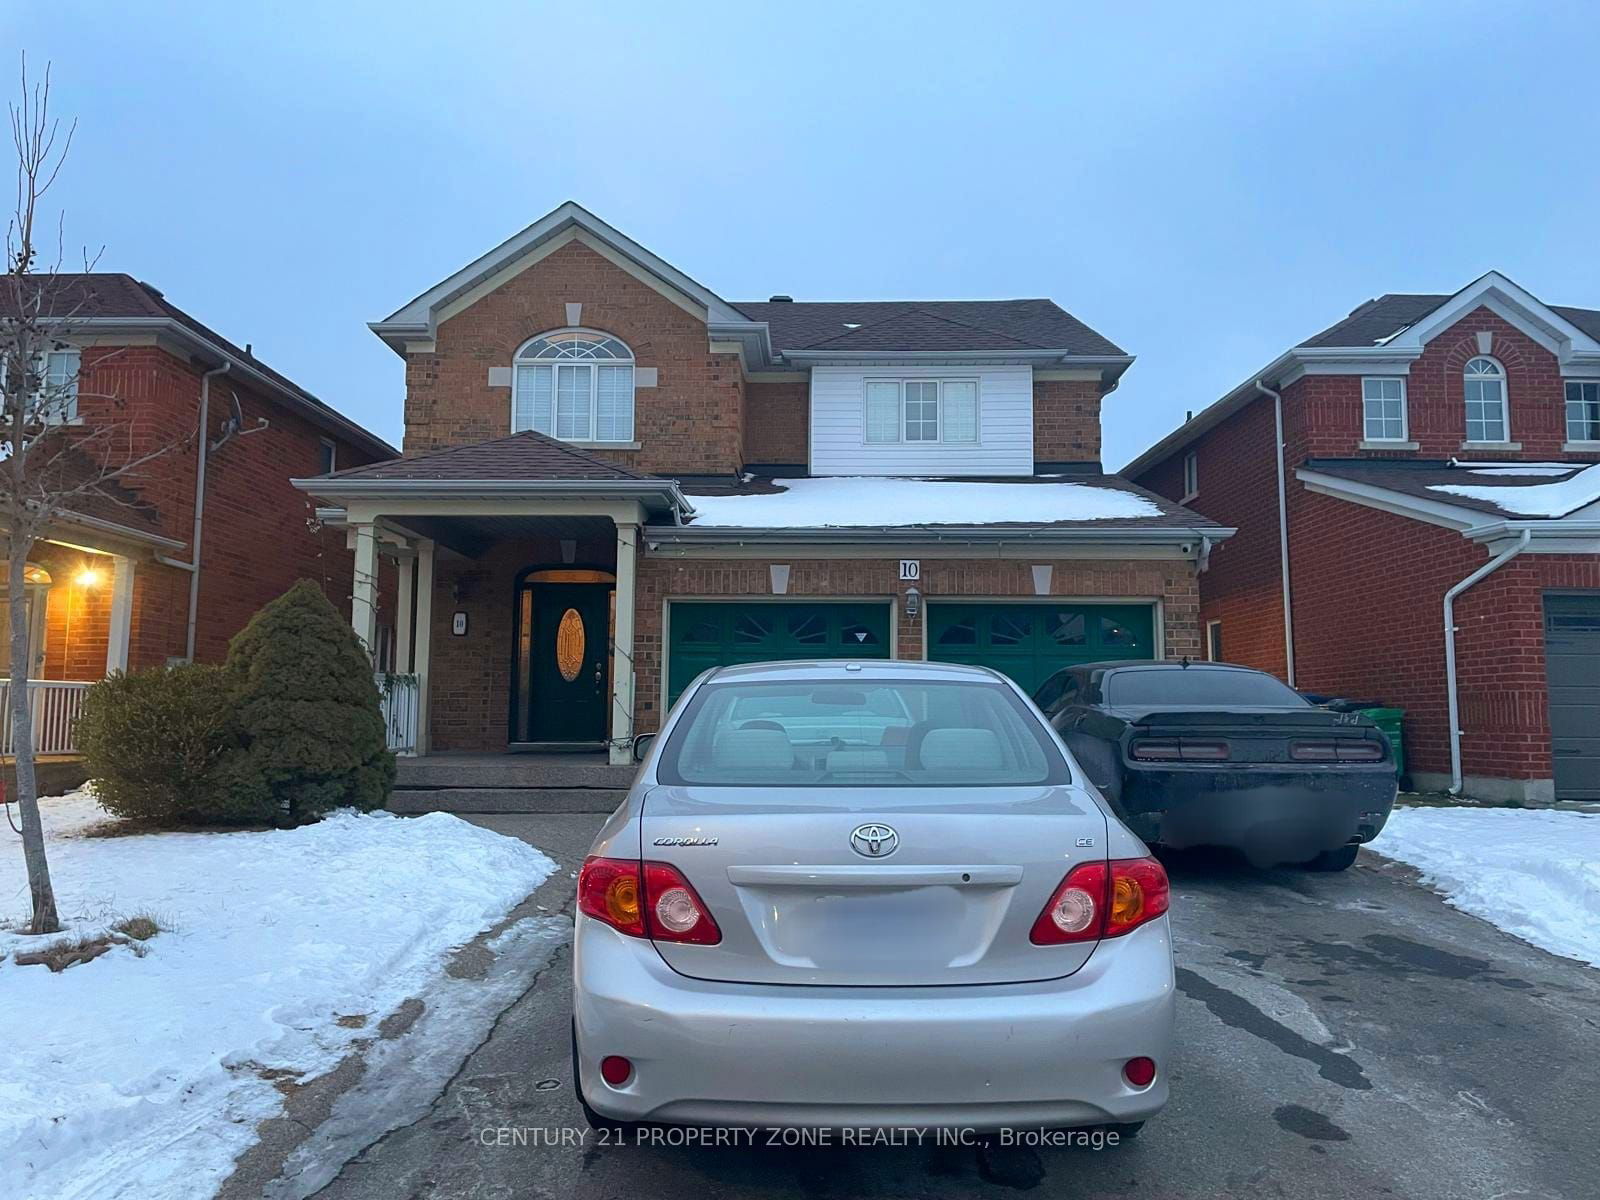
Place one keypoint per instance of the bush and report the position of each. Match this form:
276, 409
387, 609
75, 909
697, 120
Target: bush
156, 743
311, 735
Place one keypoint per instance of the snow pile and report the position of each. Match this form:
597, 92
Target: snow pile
869, 502
1532, 873
1536, 499
141, 1076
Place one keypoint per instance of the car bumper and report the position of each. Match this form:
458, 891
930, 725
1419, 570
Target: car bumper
1283, 815
980, 1057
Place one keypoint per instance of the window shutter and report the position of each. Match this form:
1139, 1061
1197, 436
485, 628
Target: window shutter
531, 409
614, 405
961, 410
883, 412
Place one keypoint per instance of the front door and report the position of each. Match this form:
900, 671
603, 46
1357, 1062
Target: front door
568, 665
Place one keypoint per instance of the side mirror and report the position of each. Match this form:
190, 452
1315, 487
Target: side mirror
641, 745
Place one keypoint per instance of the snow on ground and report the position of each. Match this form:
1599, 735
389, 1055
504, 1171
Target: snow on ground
1531, 872
138, 1076
1534, 499
871, 502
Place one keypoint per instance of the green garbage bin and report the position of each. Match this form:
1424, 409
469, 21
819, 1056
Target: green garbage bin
1390, 721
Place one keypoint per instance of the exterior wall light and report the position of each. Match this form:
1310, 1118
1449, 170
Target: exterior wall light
88, 577
913, 603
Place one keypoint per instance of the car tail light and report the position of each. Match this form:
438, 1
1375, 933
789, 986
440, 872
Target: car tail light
1140, 1072
1343, 750
1180, 749
673, 911
1102, 899
615, 1069
650, 899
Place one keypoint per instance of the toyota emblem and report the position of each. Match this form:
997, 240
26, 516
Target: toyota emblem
874, 841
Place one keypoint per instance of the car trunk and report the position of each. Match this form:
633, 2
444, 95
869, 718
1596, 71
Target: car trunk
951, 903
1253, 735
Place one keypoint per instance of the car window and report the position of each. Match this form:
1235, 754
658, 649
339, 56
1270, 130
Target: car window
877, 733
1051, 690
1195, 686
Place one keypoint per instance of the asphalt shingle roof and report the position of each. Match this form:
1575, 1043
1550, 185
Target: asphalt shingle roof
1377, 320
926, 325
530, 456
1421, 479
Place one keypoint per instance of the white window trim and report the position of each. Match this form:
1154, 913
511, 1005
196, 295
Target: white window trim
1191, 476
1404, 440
900, 424
1213, 624
1571, 442
332, 447
1505, 405
593, 440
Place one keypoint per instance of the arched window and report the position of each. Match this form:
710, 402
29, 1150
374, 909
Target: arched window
574, 385
1485, 383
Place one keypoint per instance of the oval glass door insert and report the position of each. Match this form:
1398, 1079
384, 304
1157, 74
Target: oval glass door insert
570, 640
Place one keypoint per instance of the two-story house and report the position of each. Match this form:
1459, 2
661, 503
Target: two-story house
168, 561
1418, 509
614, 479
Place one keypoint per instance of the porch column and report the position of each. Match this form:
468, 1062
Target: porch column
364, 588
622, 648
406, 566
121, 614
422, 647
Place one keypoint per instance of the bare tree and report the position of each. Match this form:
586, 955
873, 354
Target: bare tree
49, 463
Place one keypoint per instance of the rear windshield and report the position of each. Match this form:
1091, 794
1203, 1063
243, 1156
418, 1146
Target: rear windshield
1195, 686
865, 733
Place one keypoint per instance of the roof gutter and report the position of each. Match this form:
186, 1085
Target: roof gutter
622, 489
1164, 535
1283, 528
1494, 564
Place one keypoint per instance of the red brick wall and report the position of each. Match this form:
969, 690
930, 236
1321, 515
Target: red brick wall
1066, 420
777, 422
1238, 482
257, 540
661, 579
689, 422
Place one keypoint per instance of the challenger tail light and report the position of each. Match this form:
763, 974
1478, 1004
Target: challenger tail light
1103, 900
1343, 750
650, 899
1180, 750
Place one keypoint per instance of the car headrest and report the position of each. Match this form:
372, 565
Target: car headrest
753, 750
961, 750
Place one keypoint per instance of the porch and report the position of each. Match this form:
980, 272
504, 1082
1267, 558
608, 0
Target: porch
469, 782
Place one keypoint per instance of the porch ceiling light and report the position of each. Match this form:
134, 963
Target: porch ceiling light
88, 577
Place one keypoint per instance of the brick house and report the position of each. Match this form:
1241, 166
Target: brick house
614, 479
1431, 446
112, 585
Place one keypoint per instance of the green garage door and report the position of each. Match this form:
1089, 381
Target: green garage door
707, 635
1030, 641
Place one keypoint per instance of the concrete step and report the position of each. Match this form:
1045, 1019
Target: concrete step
505, 800
510, 771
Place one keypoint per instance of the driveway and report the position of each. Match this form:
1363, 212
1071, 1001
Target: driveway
1339, 1035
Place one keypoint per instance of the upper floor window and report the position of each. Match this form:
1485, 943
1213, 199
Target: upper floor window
1383, 410
329, 455
1583, 410
922, 410
1485, 382
58, 370
1191, 476
576, 386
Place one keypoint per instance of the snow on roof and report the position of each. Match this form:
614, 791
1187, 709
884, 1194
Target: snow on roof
1555, 499
871, 502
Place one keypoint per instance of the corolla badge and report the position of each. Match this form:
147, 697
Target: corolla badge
874, 841
686, 841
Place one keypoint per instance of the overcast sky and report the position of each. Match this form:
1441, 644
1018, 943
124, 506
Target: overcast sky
1205, 184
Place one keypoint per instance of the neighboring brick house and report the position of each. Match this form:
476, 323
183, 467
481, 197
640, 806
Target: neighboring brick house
110, 582
614, 479
1425, 438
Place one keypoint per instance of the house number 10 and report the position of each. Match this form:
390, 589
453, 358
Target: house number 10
910, 568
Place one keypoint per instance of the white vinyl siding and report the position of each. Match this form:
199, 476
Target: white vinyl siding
861, 423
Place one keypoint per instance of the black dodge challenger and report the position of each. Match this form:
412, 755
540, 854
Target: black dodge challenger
1206, 754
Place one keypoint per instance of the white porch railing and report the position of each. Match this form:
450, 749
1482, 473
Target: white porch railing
397, 697
54, 706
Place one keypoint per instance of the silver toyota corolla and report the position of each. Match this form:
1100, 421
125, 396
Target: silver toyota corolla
868, 894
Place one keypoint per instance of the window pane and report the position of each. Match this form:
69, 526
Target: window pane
572, 402
1486, 421
532, 409
883, 412
961, 411
922, 411
61, 383
614, 405
1068, 629
1583, 412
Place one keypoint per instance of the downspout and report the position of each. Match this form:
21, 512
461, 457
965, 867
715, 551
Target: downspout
193, 565
1494, 564
1283, 529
